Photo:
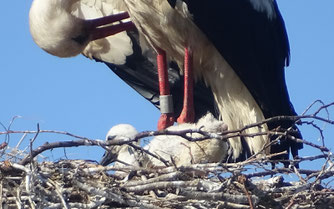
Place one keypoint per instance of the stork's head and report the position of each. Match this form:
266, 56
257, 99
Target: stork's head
118, 132
60, 27
56, 30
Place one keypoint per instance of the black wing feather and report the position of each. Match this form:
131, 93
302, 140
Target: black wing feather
256, 46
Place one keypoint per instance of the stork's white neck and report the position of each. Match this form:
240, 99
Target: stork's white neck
52, 7
53, 27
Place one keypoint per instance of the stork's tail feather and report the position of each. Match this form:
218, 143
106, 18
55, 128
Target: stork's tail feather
287, 143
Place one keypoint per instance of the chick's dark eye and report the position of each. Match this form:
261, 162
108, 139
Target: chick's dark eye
81, 39
111, 137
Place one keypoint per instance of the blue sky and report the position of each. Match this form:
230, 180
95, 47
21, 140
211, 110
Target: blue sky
85, 98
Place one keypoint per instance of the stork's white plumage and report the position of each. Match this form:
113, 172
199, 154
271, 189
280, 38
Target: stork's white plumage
66, 28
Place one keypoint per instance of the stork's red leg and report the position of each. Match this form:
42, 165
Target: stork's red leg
188, 113
166, 104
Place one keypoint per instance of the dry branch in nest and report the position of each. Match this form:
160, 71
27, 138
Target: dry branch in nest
27, 183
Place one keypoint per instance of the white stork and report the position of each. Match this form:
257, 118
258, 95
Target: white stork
239, 48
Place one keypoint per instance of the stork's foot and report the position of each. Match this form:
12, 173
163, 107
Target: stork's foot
166, 120
187, 116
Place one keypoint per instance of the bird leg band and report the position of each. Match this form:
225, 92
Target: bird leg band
166, 104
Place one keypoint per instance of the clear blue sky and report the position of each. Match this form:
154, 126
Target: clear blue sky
85, 98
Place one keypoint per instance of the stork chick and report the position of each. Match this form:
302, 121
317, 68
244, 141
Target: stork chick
180, 150
184, 152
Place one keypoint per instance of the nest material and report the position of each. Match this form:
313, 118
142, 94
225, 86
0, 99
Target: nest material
85, 184
28, 183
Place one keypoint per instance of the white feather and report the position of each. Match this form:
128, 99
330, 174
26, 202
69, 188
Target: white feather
265, 6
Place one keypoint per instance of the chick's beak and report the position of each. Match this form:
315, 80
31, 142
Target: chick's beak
108, 158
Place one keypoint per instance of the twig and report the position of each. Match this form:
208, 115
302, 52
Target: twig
242, 180
32, 141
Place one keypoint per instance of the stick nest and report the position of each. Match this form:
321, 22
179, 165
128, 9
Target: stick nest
29, 183
85, 184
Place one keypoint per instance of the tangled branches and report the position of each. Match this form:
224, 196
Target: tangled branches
26, 182
82, 184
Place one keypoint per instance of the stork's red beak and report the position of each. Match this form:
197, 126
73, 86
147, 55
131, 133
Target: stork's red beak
101, 27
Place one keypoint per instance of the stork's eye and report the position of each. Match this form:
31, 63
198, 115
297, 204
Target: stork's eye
81, 39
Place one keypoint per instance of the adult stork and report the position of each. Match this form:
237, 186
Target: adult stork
239, 48
178, 27
66, 28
